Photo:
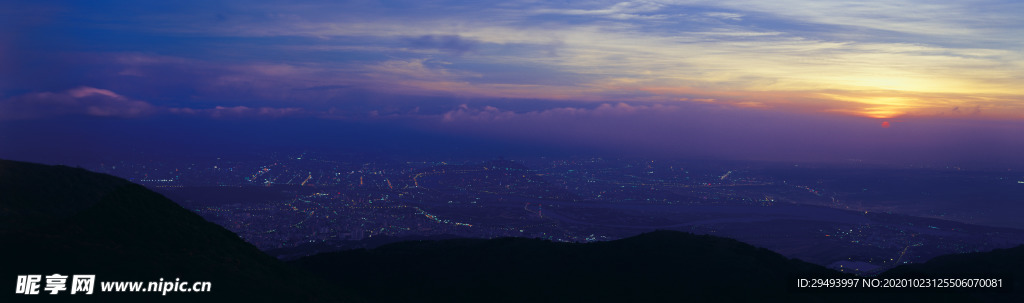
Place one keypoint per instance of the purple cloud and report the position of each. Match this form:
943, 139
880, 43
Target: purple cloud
239, 112
89, 101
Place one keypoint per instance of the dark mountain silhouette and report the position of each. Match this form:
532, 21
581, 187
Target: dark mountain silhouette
1007, 264
661, 266
56, 219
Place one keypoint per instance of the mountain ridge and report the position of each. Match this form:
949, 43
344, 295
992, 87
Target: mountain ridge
652, 267
91, 223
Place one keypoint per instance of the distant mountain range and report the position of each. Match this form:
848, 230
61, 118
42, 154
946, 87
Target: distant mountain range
57, 219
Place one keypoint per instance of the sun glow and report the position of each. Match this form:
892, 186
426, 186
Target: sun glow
880, 107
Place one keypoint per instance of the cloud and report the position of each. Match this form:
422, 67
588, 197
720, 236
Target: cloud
951, 21
239, 112
489, 113
626, 10
450, 43
422, 69
87, 101
851, 57
243, 83
799, 48
322, 88
726, 16
97, 102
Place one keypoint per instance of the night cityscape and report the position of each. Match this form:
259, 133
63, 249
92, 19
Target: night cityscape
301, 204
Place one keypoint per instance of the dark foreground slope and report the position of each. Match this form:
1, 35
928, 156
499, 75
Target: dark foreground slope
662, 266
56, 219
658, 266
1005, 264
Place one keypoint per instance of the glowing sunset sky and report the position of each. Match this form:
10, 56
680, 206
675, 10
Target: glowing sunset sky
452, 62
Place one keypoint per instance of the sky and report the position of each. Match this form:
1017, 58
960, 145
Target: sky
877, 81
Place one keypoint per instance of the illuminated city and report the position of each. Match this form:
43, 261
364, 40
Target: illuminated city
297, 205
